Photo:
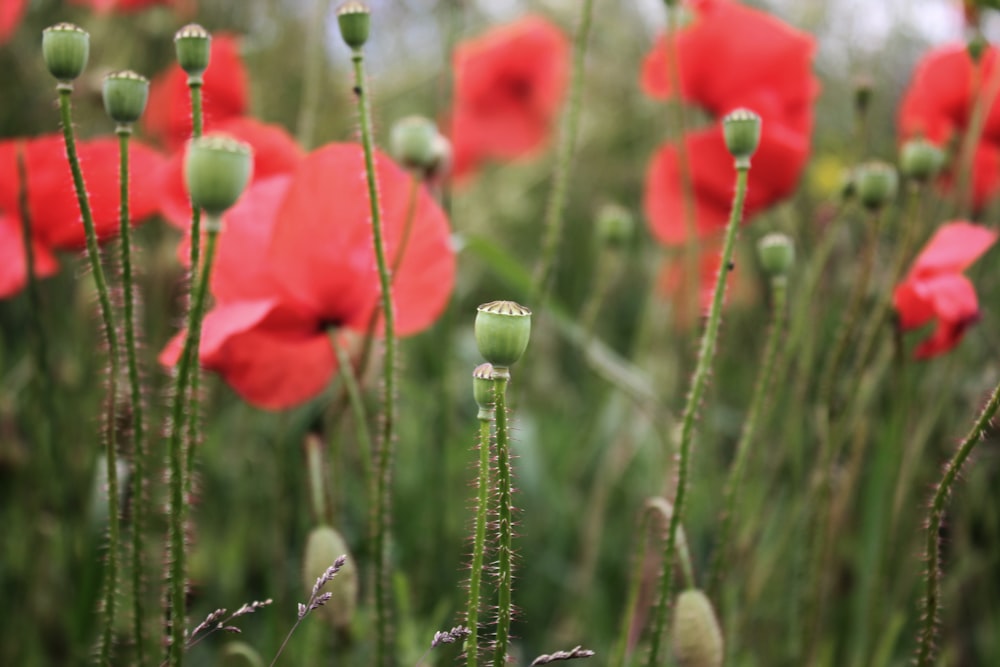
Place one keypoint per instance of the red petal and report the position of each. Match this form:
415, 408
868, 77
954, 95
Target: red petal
274, 152
322, 247
953, 248
13, 263
955, 304
168, 115
271, 355
11, 13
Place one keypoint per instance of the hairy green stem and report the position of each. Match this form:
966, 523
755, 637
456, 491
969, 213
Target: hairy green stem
478, 544
194, 390
706, 354
110, 336
761, 392
935, 514
135, 396
556, 203
383, 472
504, 518
176, 453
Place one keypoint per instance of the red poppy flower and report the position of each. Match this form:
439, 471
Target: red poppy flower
55, 213
274, 152
509, 84
938, 105
296, 259
11, 13
935, 288
731, 56
122, 5
13, 263
224, 95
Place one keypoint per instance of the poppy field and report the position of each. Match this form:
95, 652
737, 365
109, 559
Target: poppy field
425, 332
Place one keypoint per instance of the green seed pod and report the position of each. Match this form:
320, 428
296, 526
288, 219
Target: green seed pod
66, 49
239, 654
193, 45
615, 225
217, 169
354, 18
920, 160
877, 183
976, 47
125, 94
502, 332
741, 129
413, 143
325, 545
482, 390
696, 634
862, 94
776, 253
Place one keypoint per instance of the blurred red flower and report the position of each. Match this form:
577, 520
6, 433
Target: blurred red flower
296, 259
938, 105
731, 56
509, 84
52, 205
224, 95
274, 152
11, 13
125, 5
14, 263
935, 288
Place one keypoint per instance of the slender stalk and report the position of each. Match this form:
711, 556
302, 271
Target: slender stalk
935, 514
194, 390
479, 541
505, 536
706, 354
761, 392
178, 508
984, 96
135, 396
556, 203
110, 336
383, 471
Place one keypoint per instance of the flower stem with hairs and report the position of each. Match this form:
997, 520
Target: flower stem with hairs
478, 544
110, 338
505, 536
195, 84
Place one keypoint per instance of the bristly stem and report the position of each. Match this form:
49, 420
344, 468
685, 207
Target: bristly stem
478, 544
556, 203
194, 389
178, 507
504, 518
110, 336
135, 394
383, 650
706, 354
935, 514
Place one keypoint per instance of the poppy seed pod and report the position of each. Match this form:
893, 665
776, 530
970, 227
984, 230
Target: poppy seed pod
125, 94
325, 545
482, 390
354, 18
741, 129
193, 45
696, 635
66, 49
776, 253
920, 160
413, 142
615, 225
877, 183
502, 332
862, 94
217, 169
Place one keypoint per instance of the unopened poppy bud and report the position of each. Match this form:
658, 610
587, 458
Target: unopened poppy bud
615, 225
862, 94
325, 545
741, 129
502, 332
125, 94
976, 47
66, 49
354, 18
848, 185
877, 183
193, 45
696, 634
217, 169
776, 253
482, 390
413, 143
920, 160
239, 654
